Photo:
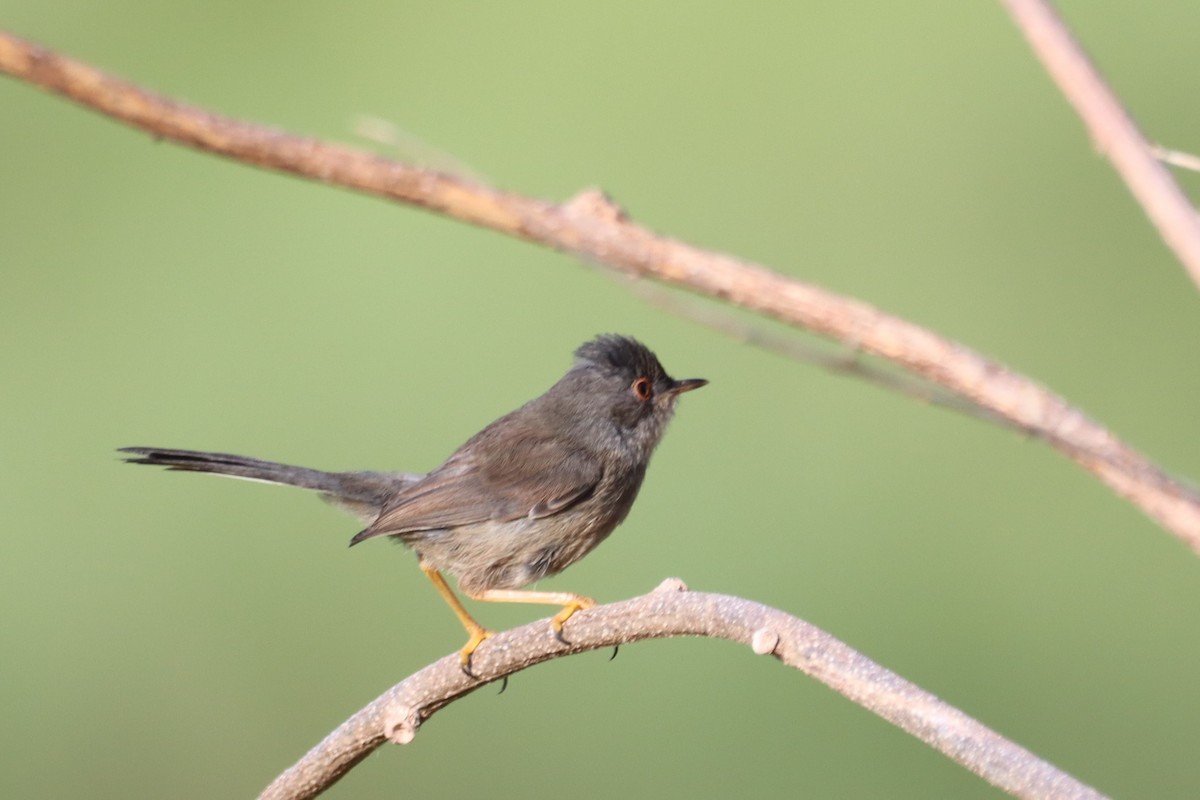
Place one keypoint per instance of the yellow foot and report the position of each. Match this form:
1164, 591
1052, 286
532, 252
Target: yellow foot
577, 603
464, 655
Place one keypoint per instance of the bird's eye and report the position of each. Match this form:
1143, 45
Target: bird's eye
642, 389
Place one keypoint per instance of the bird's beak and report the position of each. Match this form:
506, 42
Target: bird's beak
686, 385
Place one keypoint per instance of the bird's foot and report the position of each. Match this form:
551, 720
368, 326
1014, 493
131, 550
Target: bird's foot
478, 635
577, 603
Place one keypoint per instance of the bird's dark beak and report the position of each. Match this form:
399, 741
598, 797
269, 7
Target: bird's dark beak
686, 385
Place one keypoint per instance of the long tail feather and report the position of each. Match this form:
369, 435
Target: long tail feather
358, 491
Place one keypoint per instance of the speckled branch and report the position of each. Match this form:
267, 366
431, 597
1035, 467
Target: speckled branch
671, 610
592, 226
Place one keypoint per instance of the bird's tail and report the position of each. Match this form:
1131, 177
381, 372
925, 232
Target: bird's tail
362, 493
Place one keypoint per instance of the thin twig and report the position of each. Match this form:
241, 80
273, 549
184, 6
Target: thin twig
670, 610
1177, 158
593, 227
1113, 131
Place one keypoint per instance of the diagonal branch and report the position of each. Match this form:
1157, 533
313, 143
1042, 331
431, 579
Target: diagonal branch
592, 227
670, 610
843, 360
1113, 131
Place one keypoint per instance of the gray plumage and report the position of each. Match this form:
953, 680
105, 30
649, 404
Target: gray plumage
525, 497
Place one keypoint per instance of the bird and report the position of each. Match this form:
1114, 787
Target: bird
523, 499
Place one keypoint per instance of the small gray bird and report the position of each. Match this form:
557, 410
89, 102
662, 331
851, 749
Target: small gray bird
524, 498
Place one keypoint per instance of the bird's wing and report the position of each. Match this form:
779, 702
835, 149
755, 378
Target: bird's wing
529, 475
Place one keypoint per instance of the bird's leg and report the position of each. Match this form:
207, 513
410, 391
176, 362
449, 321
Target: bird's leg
476, 632
570, 603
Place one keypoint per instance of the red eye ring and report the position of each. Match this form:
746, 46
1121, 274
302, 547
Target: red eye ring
642, 389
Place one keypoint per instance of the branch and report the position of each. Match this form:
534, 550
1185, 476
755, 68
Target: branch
846, 361
1113, 131
592, 227
670, 610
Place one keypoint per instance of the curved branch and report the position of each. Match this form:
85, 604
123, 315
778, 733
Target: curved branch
670, 610
1113, 131
590, 225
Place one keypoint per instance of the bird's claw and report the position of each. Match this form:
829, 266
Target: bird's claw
464, 655
556, 624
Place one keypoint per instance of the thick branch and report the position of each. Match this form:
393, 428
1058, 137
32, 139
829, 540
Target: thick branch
591, 226
1113, 131
670, 610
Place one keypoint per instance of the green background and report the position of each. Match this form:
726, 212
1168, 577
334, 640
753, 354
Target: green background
174, 636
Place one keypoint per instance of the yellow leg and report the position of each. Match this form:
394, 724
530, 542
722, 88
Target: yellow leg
570, 602
475, 631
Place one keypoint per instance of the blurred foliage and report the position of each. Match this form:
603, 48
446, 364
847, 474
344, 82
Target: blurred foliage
168, 635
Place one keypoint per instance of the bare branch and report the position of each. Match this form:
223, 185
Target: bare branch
1113, 131
593, 227
670, 610
847, 361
